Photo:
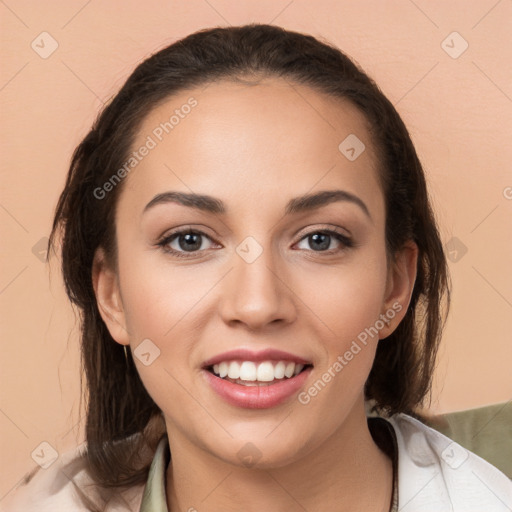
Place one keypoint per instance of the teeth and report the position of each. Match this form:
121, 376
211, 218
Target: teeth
288, 371
234, 370
223, 369
265, 372
279, 370
248, 371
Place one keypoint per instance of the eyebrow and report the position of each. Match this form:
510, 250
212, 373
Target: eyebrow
299, 204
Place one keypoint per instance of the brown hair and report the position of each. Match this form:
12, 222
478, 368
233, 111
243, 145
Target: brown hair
118, 405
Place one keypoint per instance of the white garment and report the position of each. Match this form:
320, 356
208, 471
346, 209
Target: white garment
435, 474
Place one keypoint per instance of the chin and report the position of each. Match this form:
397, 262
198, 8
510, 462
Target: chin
260, 453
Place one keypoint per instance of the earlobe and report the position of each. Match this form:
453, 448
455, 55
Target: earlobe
108, 297
400, 285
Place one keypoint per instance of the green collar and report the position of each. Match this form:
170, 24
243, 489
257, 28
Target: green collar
154, 497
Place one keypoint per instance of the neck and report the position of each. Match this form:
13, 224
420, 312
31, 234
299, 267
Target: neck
348, 471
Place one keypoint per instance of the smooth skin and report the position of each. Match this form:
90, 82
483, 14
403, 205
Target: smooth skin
255, 147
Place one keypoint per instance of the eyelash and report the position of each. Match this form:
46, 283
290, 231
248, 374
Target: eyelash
165, 241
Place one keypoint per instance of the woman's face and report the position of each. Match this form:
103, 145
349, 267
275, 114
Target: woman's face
267, 271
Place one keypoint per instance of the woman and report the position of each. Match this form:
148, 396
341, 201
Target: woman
248, 235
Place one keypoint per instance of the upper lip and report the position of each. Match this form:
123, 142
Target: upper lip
243, 354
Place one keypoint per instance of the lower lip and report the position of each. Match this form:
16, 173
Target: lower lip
257, 397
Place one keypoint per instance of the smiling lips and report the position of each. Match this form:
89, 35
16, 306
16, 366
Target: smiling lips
256, 380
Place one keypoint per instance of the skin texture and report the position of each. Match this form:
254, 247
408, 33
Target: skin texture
255, 147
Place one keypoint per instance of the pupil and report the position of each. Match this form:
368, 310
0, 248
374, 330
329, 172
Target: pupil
190, 243
325, 243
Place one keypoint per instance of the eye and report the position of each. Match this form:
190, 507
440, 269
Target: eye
185, 241
320, 240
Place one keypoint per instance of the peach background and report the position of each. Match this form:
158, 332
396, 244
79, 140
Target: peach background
458, 112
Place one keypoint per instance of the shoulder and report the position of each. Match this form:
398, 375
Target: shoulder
67, 485
436, 473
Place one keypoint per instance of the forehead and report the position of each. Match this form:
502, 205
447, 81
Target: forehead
251, 142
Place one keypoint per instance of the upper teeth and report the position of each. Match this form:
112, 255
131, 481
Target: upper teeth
264, 372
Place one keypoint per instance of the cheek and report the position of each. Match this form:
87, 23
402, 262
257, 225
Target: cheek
347, 299
160, 304
159, 299
346, 304
348, 310
169, 306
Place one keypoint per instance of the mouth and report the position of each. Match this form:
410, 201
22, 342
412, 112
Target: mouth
251, 373
256, 380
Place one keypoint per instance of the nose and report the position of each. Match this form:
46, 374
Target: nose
257, 294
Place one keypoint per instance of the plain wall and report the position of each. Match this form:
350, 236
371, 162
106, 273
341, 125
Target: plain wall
458, 111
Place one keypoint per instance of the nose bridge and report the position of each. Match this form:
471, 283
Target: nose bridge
256, 293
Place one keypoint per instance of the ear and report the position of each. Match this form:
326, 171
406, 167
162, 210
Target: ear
108, 297
399, 286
